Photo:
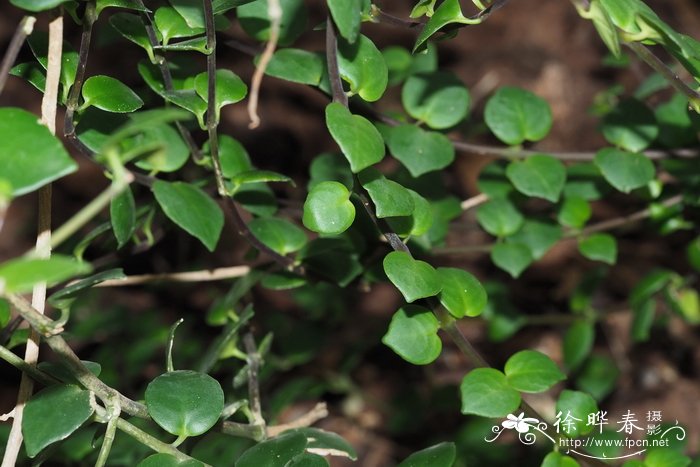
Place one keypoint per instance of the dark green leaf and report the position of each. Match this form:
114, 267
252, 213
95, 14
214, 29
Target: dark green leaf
532, 371
418, 150
191, 11
493, 181
32, 72
64, 374
499, 217
307, 459
110, 94
280, 235
297, 66
346, 16
330, 168
255, 22
418, 223
448, 13
232, 155
585, 181
440, 455
597, 376
122, 211
677, 123
131, 27
573, 408
539, 175
129, 4
511, 257
391, 199
36, 6
624, 170
21, 274
39, 43
486, 392
462, 293
631, 125
274, 452
229, 88
362, 65
538, 235
172, 25
58, 299
515, 115
578, 342
414, 278
168, 460
328, 208
325, 440
358, 139
413, 335
170, 154
599, 247
438, 98
642, 319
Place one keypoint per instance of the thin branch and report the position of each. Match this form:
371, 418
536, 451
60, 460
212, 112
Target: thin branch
205, 275
318, 412
150, 441
388, 18
35, 373
274, 12
332, 60
253, 385
474, 201
24, 28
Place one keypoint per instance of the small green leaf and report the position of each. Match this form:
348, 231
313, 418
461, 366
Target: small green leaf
576, 406
297, 66
37, 6
418, 150
515, 115
171, 24
499, 217
599, 247
128, 4
110, 94
414, 278
196, 44
233, 156
585, 181
532, 371
462, 294
418, 223
320, 439
448, 13
122, 211
53, 414
280, 235
362, 65
598, 376
30, 156
346, 16
5, 312
539, 175
19, 275
170, 152
624, 170
39, 43
538, 235
437, 98
191, 209
32, 72
307, 459
511, 257
191, 11
168, 460
274, 452
328, 209
330, 168
391, 199
132, 28
493, 182
185, 403
258, 176
666, 457
578, 342
486, 392
574, 212
555, 459
413, 335
631, 125
229, 88
254, 20
440, 455
67, 294
63, 374
358, 139
644, 312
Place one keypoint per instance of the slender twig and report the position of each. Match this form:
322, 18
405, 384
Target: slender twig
35, 373
152, 442
388, 18
24, 28
253, 385
318, 412
274, 12
188, 276
113, 412
474, 201
332, 60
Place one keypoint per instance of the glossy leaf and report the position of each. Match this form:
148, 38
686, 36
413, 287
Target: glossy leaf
255, 22
577, 405
416, 224
131, 27
185, 403
418, 150
328, 208
515, 115
538, 235
499, 217
172, 25
413, 335
362, 65
32, 72
574, 212
330, 168
358, 139
297, 66
511, 257
391, 199
53, 414
37, 5
307, 459
229, 88
440, 455
448, 13
168, 460
65, 296
129, 4
346, 16
170, 152
631, 126
462, 294
39, 43
122, 211
414, 278
486, 392
532, 371
191, 209
274, 452
30, 155
280, 235
233, 156
110, 94
438, 98
325, 440
624, 170
578, 342
19, 275
257, 176
540, 176
556, 459
599, 247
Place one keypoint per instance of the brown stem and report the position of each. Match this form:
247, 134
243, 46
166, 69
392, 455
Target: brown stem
24, 28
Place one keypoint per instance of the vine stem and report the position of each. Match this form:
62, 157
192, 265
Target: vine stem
274, 12
187, 276
43, 239
24, 28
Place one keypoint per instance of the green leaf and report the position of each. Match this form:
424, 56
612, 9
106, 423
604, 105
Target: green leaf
391, 199
63, 374
61, 298
423, 8
511, 257
448, 13
577, 406
5, 312
578, 342
222, 6
631, 125
233, 156
677, 123
171, 24
282, 280
53, 414
333, 258
110, 94
36, 6
185, 403
624, 170
229, 88
191, 209
346, 16
493, 181
280, 235
413, 335
585, 181
574, 212
555, 459
32, 72
440, 455
255, 21
170, 152
274, 452
21, 274
359, 140
191, 11
499, 217
257, 198
131, 27
168, 460
538, 235
307, 459
642, 319
129, 4
599, 247
196, 44
666, 457
598, 376
258, 176
486, 392
414, 278
437, 98
462, 294
362, 65
420, 151
515, 115
30, 156
532, 371
418, 223
539, 175
297, 66
330, 168
325, 440
122, 211
605, 27
328, 208
39, 43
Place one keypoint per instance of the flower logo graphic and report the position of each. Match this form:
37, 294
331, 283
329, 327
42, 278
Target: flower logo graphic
520, 423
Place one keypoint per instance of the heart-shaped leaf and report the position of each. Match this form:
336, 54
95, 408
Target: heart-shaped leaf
191, 209
328, 208
486, 392
448, 13
511, 257
19, 275
418, 223
254, 20
631, 125
538, 235
233, 156
499, 217
358, 139
330, 168
515, 115
171, 24
414, 278
413, 335
599, 247
297, 66
462, 294
30, 156
185, 403
391, 199
418, 150
110, 94
440, 455
229, 88
362, 65
132, 28
274, 452
573, 408
532, 371
539, 175
437, 98
346, 16
53, 414
625, 170
280, 235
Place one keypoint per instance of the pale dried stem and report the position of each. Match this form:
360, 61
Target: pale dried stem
274, 11
189, 276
